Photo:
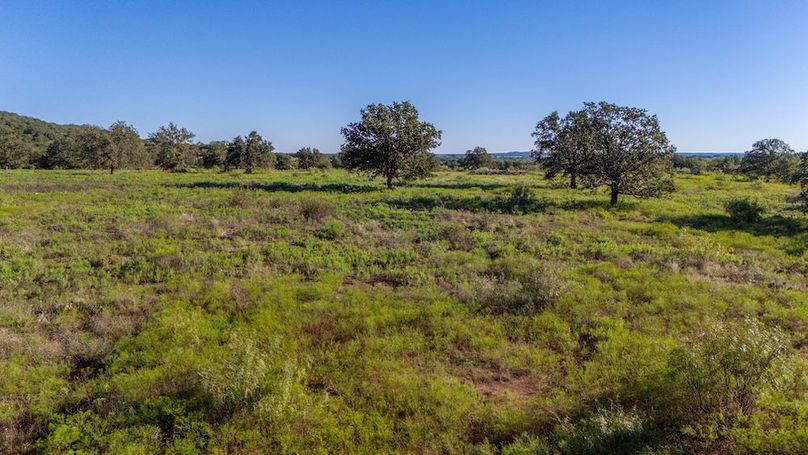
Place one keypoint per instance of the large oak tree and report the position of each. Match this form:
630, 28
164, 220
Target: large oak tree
770, 158
630, 153
390, 141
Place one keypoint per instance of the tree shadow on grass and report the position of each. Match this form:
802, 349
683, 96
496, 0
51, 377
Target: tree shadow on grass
776, 226
458, 185
496, 205
346, 188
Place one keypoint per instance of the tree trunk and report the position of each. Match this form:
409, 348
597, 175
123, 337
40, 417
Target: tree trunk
111, 170
389, 181
573, 182
615, 192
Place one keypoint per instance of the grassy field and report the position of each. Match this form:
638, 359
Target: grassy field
298, 312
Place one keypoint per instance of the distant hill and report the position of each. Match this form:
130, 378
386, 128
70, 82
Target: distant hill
24, 138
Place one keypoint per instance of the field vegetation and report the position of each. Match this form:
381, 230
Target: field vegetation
313, 310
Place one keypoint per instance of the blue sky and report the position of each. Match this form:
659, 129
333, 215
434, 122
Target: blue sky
719, 74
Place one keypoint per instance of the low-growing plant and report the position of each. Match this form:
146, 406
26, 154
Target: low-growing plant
745, 209
332, 230
521, 197
315, 209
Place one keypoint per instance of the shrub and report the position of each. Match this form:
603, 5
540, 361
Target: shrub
315, 209
521, 197
331, 231
609, 430
722, 375
745, 209
521, 289
285, 162
458, 236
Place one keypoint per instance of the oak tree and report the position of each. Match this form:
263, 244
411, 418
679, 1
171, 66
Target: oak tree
563, 144
630, 153
390, 141
171, 146
476, 158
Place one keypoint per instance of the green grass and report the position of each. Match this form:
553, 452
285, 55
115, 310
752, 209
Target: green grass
297, 312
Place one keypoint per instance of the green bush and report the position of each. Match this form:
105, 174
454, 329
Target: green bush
722, 375
521, 197
745, 209
521, 288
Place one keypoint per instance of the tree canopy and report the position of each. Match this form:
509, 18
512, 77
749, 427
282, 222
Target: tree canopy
171, 146
770, 159
562, 145
390, 141
250, 152
476, 158
125, 148
308, 157
630, 152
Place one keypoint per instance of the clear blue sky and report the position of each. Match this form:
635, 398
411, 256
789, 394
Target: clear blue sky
719, 74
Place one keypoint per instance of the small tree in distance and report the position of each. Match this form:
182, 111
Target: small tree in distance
94, 148
212, 154
171, 146
309, 157
126, 148
390, 141
769, 158
250, 152
476, 158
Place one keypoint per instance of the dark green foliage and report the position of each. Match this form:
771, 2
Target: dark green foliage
631, 154
62, 153
522, 197
23, 140
564, 145
171, 147
390, 141
603, 144
212, 154
691, 164
476, 158
312, 158
284, 161
770, 159
725, 164
745, 210
235, 150
13, 154
94, 146
125, 149
801, 177
250, 153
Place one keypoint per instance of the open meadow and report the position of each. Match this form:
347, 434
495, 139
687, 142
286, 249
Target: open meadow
306, 311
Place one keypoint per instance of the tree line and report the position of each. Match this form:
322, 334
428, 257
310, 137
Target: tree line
623, 149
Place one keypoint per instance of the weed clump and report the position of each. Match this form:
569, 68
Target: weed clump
316, 209
521, 289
